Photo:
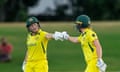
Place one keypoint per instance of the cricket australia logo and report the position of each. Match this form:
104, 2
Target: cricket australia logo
30, 19
32, 44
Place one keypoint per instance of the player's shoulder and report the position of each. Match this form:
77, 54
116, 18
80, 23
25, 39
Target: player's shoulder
91, 31
41, 31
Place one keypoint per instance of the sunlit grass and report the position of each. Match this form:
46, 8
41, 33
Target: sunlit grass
63, 56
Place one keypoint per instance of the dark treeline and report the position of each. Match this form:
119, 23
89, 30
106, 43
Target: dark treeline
16, 10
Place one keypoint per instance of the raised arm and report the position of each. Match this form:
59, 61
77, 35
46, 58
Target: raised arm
49, 35
61, 36
70, 38
73, 39
56, 36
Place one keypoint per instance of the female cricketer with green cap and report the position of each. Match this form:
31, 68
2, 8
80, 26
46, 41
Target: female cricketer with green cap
90, 45
37, 40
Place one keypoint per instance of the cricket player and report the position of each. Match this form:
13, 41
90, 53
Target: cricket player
37, 40
90, 45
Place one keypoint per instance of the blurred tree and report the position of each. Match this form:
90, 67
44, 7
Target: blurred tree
78, 7
28, 3
60, 11
11, 8
94, 9
97, 9
117, 9
15, 10
2, 2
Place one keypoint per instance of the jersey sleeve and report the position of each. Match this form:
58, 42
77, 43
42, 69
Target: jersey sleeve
44, 33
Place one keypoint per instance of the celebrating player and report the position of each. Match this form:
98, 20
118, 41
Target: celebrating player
90, 45
37, 40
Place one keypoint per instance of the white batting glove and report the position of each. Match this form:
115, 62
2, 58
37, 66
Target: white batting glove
58, 36
101, 65
65, 35
23, 65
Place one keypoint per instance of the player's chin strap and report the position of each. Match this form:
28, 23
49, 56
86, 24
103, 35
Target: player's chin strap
101, 65
78, 26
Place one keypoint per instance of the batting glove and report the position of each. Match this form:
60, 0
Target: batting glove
101, 65
58, 36
23, 65
65, 35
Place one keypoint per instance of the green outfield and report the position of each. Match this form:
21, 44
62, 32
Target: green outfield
63, 56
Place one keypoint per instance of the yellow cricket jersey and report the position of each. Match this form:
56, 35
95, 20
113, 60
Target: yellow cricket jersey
86, 39
36, 46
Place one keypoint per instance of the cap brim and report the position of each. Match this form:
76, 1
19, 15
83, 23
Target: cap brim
78, 22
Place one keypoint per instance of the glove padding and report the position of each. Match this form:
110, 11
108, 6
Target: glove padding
65, 35
23, 65
58, 36
101, 65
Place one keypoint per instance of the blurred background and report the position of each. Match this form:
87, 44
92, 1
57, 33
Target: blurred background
60, 10
59, 15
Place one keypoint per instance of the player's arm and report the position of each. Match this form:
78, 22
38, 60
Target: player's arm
100, 63
56, 36
24, 62
49, 35
98, 48
66, 36
26, 56
73, 39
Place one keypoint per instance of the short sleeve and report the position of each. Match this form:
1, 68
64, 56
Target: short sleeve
92, 36
44, 35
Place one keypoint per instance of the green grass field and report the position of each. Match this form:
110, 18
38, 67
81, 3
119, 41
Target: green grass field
63, 56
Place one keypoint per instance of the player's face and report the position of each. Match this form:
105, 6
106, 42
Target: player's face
34, 28
3, 41
78, 26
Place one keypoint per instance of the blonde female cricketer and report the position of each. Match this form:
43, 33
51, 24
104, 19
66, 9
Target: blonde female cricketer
90, 45
37, 40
